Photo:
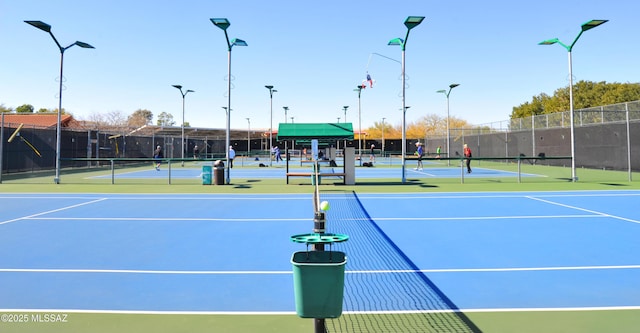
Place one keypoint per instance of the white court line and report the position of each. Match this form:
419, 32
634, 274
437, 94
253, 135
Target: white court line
52, 211
183, 219
276, 313
400, 271
584, 210
485, 195
480, 217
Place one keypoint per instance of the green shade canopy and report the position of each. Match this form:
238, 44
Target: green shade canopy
320, 131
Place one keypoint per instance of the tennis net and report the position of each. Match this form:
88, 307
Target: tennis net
384, 290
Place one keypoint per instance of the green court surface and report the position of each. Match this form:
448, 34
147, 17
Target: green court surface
619, 321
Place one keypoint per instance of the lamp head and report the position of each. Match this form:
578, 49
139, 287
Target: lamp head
549, 41
238, 42
40, 25
413, 21
345, 107
177, 86
442, 91
396, 41
453, 85
592, 24
188, 91
269, 87
221, 23
84, 45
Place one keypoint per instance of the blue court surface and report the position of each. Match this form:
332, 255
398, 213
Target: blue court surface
225, 253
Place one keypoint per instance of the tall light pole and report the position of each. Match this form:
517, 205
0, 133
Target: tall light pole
586, 26
223, 24
411, 22
446, 93
286, 108
271, 91
345, 112
383, 136
359, 90
248, 137
47, 28
179, 87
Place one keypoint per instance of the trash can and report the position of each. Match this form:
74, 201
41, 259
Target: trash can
318, 283
218, 173
206, 175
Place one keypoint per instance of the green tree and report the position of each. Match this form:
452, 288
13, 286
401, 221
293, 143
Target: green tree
165, 119
24, 108
4, 108
44, 110
586, 94
140, 118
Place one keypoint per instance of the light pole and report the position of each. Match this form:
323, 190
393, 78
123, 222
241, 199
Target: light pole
383, 136
47, 28
411, 22
286, 108
338, 120
223, 24
248, 137
345, 112
292, 120
359, 90
586, 26
446, 93
179, 87
271, 91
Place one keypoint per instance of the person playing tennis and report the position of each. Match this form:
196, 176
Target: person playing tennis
419, 153
158, 156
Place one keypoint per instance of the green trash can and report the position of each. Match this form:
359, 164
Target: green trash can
206, 175
318, 283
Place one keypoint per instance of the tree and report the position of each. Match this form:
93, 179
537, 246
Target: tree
586, 94
4, 109
165, 119
116, 119
140, 118
44, 110
24, 108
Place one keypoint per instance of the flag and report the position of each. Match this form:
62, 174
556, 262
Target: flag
369, 80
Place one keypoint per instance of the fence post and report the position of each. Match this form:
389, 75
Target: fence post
626, 108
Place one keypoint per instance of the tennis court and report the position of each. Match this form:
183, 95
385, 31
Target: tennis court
411, 256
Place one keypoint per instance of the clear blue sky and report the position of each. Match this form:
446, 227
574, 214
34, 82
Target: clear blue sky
314, 53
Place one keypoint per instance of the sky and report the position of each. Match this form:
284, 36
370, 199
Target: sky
314, 53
